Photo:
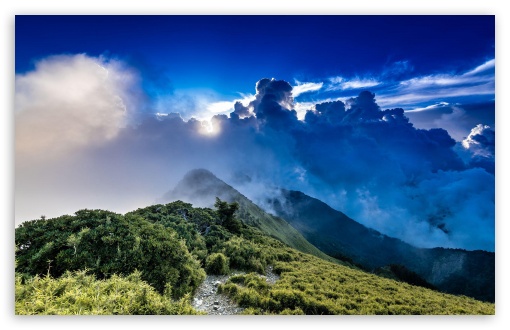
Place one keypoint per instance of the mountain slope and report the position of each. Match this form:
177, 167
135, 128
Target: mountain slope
200, 187
451, 270
100, 262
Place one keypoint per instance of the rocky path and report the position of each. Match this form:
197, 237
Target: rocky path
207, 299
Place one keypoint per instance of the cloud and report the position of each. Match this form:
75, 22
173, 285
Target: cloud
476, 82
370, 163
490, 66
301, 87
435, 106
480, 145
481, 141
397, 70
72, 101
340, 83
225, 107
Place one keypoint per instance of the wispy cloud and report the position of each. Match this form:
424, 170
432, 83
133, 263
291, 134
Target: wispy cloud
413, 93
489, 65
430, 107
341, 83
304, 87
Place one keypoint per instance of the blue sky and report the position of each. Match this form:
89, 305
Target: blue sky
414, 62
390, 119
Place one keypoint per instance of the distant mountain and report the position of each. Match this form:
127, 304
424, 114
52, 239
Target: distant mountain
200, 187
471, 273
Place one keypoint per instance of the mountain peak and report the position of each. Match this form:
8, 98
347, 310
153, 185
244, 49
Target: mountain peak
201, 187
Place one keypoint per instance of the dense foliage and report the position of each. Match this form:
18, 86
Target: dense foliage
216, 264
105, 244
151, 260
401, 273
81, 294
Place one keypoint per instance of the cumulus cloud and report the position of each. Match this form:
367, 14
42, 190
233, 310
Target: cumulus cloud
480, 144
481, 141
370, 163
71, 101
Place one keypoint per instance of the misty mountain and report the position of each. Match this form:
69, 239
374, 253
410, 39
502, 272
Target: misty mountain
201, 187
457, 271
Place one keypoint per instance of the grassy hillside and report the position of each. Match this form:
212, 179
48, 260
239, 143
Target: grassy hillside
471, 273
309, 285
150, 261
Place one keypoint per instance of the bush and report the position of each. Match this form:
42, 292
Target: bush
217, 264
106, 243
81, 294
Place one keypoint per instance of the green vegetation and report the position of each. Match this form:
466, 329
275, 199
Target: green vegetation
203, 186
150, 261
106, 243
313, 286
81, 294
401, 273
216, 264
456, 271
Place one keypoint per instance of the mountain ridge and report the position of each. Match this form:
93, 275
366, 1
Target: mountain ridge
201, 187
450, 270
312, 226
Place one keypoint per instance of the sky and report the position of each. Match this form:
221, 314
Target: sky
389, 119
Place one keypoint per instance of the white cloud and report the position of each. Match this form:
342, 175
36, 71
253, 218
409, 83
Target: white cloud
340, 83
430, 107
478, 81
225, 107
474, 145
71, 101
301, 87
491, 64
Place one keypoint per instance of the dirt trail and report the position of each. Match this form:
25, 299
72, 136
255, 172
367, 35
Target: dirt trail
207, 299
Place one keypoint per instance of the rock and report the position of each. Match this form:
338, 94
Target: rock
215, 308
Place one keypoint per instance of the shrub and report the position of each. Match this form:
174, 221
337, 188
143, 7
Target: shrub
80, 294
105, 244
216, 264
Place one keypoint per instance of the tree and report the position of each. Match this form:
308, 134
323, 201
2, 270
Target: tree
226, 216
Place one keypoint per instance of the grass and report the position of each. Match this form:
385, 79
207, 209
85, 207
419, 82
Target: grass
309, 285
77, 293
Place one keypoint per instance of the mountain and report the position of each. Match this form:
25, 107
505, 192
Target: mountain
471, 273
200, 187
311, 226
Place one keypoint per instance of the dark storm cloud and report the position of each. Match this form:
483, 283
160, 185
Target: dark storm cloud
240, 110
373, 164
